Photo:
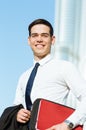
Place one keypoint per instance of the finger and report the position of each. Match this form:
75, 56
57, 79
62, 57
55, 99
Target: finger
27, 112
23, 118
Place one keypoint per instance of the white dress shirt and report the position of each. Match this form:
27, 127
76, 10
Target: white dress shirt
54, 80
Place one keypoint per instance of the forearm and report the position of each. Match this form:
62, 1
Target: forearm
79, 115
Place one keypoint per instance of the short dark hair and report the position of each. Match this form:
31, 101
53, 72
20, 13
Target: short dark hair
40, 21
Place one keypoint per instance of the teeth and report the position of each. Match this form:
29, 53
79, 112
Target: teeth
39, 46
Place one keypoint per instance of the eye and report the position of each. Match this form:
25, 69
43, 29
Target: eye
34, 35
45, 35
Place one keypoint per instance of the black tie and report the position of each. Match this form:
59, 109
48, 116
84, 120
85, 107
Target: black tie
29, 86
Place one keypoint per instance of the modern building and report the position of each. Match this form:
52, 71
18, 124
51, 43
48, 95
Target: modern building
70, 31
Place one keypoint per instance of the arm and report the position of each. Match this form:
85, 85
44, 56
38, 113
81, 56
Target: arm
20, 91
23, 115
77, 85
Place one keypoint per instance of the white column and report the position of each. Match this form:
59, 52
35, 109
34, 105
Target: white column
66, 15
82, 47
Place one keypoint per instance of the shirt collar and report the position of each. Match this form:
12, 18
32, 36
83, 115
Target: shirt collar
45, 59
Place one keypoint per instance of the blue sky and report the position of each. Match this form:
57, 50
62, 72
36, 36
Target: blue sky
15, 54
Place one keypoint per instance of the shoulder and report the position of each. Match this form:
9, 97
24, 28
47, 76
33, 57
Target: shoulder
64, 66
63, 63
25, 74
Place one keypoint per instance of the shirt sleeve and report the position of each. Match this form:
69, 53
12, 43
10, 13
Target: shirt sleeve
79, 115
77, 84
19, 94
20, 91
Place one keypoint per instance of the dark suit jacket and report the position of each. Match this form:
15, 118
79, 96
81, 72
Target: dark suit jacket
8, 119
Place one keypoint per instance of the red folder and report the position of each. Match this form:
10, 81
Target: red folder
47, 113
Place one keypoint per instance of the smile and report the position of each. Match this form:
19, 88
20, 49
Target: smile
39, 46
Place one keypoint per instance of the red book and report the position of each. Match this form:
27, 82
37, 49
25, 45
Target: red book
47, 113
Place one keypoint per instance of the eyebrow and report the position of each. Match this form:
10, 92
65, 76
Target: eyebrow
41, 33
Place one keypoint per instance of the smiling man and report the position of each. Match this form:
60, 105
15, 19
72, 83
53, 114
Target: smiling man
40, 40
54, 78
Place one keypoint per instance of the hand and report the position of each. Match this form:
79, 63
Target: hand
23, 115
61, 126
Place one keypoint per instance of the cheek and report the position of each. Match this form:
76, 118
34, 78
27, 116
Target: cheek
31, 43
48, 47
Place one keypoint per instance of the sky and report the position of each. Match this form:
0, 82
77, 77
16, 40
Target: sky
15, 54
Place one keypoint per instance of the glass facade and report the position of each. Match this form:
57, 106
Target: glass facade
70, 24
70, 32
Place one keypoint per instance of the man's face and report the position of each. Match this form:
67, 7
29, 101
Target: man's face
40, 40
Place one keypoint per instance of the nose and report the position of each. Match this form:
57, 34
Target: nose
39, 38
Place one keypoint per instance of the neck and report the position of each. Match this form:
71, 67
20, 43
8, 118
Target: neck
38, 58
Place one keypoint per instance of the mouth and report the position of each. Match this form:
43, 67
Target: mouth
39, 46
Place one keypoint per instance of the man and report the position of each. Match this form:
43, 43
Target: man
54, 78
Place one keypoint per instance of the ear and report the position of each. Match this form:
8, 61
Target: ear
28, 40
53, 40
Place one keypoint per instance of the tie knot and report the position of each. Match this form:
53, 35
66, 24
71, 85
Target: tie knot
37, 64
